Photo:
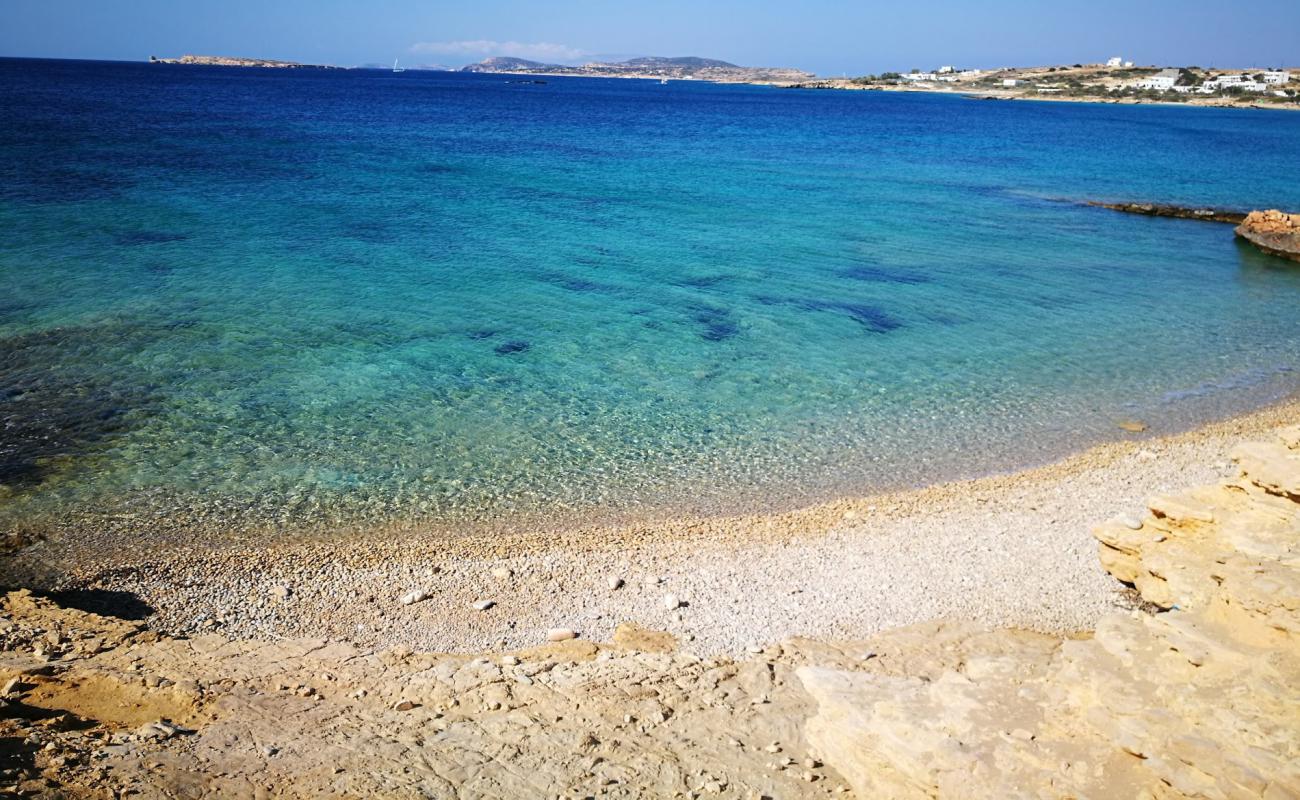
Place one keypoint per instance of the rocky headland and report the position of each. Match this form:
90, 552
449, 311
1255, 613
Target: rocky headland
1193, 690
1273, 232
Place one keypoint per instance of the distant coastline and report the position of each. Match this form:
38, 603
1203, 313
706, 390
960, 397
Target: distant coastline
235, 61
1112, 83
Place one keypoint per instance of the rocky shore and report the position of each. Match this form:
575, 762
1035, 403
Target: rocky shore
1194, 693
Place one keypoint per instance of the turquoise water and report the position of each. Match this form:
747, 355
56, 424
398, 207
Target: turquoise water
250, 299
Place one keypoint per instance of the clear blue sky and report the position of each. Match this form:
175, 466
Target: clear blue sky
817, 35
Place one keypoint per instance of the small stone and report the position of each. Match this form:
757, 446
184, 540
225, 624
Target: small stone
773, 748
1129, 521
1132, 425
809, 777
415, 596
280, 592
405, 705
615, 583
560, 635
157, 730
509, 661
10, 687
484, 605
269, 751
502, 573
811, 763
672, 602
753, 648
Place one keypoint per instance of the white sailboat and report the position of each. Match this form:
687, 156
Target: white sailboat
397, 68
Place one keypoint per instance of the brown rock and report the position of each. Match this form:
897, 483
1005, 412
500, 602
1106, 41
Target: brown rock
1274, 232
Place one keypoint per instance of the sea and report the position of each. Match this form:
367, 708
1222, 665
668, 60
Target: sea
269, 302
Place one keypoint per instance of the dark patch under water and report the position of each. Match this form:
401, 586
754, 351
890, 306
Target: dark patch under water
868, 316
717, 322
368, 231
50, 412
137, 238
514, 346
60, 185
703, 281
879, 274
581, 285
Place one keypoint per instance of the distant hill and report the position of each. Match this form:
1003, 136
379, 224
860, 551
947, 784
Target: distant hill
506, 64
680, 68
691, 62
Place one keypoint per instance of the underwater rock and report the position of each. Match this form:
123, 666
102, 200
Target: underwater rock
54, 408
515, 346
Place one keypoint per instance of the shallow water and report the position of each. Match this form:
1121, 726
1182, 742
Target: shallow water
241, 299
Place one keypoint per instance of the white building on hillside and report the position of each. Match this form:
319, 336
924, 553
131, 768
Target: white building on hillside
946, 70
920, 76
1010, 82
1245, 83
1277, 76
1114, 62
1162, 81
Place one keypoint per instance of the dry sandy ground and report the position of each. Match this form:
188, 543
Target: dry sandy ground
1011, 550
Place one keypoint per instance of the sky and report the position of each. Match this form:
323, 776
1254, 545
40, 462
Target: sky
829, 38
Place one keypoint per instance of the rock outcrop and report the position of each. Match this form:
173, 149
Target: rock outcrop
1178, 212
1273, 232
1199, 698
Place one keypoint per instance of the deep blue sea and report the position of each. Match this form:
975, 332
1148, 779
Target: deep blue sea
243, 299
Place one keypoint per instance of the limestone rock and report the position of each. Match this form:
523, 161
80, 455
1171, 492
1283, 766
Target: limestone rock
1273, 232
1201, 701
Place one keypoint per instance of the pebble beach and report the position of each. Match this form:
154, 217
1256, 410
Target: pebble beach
1004, 550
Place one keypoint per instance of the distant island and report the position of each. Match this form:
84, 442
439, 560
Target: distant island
233, 61
680, 68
